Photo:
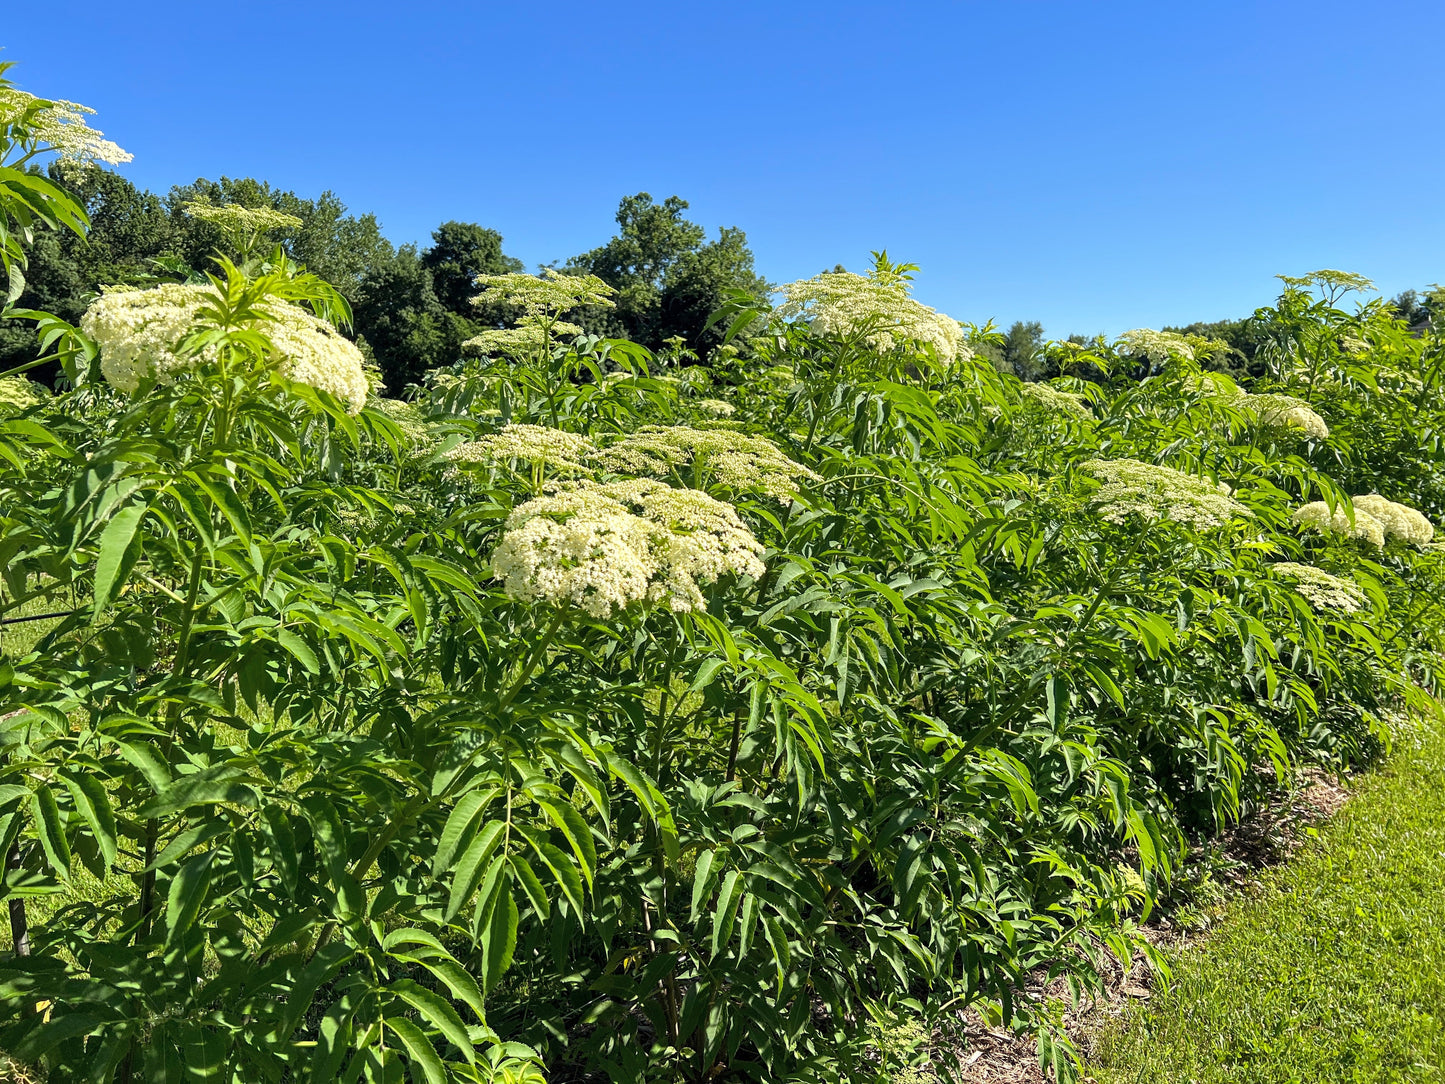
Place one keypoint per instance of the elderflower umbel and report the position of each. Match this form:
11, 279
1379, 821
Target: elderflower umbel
137, 332
717, 407
18, 394
842, 303
1047, 397
738, 461
1151, 492
408, 420
233, 218
546, 295
1286, 412
1157, 346
1321, 590
61, 124
603, 547
538, 445
1399, 520
1318, 516
530, 334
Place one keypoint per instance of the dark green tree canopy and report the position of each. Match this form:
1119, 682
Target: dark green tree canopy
460, 252
669, 278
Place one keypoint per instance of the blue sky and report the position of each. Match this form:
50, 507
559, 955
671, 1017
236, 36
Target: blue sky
1095, 166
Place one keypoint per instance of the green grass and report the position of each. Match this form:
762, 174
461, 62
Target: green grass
1334, 971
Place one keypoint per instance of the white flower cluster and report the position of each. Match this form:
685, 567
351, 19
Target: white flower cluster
137, 332
717, 407
1151, 492
1157, 346
1318, 516
1286, 412
1055, 400
539, 445
1399, 520
842, 303
531, 334
1268, 408
408, 420
1321, 590
18, 394
233, 218
546, 295
602, 548
741, 462
61, 124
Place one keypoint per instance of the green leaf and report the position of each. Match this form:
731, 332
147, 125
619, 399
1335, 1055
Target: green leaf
576, 832
300, 649
436, 1011
93, 804
532, 886
470, 868
726, 913
458, 828
187, 894
50, 826
499, 936
701, 888
115, 556
418, 1049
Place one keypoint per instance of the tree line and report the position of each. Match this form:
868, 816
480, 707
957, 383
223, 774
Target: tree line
412, 304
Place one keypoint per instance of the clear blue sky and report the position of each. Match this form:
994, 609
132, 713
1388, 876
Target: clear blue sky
1093, 165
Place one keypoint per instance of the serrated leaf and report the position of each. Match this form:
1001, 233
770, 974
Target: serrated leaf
113, 556
50, 827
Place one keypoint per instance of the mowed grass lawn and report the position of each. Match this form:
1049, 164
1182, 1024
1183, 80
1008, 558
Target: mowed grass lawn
1335, 971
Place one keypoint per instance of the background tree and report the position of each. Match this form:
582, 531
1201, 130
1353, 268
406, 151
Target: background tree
669, 278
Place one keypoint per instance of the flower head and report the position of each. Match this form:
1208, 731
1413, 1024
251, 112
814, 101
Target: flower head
531, 334
61, 125
878, 308
18, 394
1150, 492
1399, 520
538, 445
1285, 412
546, 295
1055, 400
738, 461
1157, 346
603, 547
232, 218
138, 330
1318, 516
1321, 590
408, 420
717, 407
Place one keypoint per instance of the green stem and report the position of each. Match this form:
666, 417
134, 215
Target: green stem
533, 660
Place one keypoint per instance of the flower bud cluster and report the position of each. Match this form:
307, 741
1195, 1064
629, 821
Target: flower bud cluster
539, 445
742, 463
18, 394
603, 547
233, 218
1319, 516
61, 124
549, 294
531, 334
841, 303
1321, 590
1055, 400
137, 332
1151, 492
1399, 520
1157, 346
